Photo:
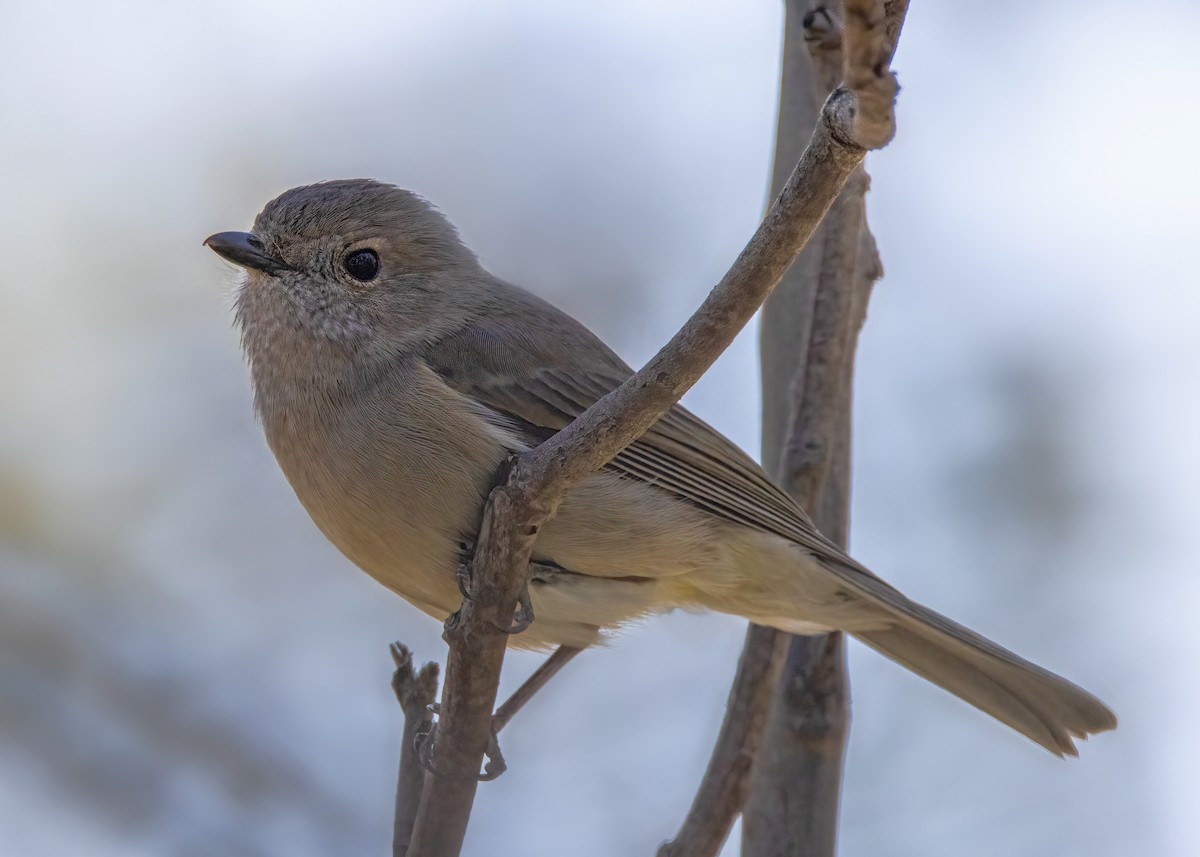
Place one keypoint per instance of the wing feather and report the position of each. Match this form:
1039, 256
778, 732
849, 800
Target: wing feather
532, 383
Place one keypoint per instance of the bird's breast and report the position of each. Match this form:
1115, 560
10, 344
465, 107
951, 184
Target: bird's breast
395, 475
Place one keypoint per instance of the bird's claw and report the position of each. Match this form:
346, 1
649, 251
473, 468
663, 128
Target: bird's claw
522, 617
463, 579
426, 740
495, 764
463, 574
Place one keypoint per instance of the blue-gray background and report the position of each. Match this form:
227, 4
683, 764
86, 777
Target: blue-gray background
187, 668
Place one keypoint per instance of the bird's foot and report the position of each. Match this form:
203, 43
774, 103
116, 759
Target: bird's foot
495, 764
466, 552
523, 615
424, 739
425, 745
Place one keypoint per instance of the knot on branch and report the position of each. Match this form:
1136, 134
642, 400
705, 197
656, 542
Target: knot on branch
862, 121
822, 29
861, 112
815, 689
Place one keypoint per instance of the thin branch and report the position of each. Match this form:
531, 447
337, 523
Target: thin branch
723, 789
415, 691
805, 738
795, 786
819, 391
532, 489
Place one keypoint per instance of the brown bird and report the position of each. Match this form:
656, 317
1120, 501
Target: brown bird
394, 375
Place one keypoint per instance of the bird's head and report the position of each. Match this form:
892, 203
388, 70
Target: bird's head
356, 262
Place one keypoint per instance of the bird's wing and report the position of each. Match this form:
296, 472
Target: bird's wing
533, 369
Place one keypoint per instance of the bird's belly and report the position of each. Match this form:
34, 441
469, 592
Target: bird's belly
411, 548
399, 490
394, 495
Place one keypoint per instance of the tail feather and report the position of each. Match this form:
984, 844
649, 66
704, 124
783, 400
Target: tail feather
1043, 706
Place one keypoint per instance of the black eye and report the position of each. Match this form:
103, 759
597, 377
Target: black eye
362, 265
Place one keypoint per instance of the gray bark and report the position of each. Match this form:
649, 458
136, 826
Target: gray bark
795, 789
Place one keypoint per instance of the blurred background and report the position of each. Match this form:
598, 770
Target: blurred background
187, 668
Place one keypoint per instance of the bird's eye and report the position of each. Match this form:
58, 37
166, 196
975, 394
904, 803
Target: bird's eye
362, 265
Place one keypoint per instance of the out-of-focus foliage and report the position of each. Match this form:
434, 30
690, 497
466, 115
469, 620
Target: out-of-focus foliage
187, 668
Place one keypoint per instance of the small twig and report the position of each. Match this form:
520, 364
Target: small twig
415, 691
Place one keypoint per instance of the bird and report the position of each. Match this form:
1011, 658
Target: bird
393, 376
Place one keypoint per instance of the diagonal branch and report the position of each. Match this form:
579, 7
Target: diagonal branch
723, 789
534, 485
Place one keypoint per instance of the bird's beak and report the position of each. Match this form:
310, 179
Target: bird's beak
245, 250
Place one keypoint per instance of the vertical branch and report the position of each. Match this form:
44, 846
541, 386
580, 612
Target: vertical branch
807, 342
795, 788
805, 738
796, 784
724, 787
477, 640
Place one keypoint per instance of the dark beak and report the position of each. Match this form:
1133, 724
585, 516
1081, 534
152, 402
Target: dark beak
245, 250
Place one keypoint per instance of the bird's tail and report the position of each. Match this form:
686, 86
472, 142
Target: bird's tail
1043, 706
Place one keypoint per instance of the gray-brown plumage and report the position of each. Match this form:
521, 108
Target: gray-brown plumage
393, 375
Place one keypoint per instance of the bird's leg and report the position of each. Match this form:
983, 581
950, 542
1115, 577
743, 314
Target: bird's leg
558, 659
424, 740
462, 574
496, 765
523, 616
549, 668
